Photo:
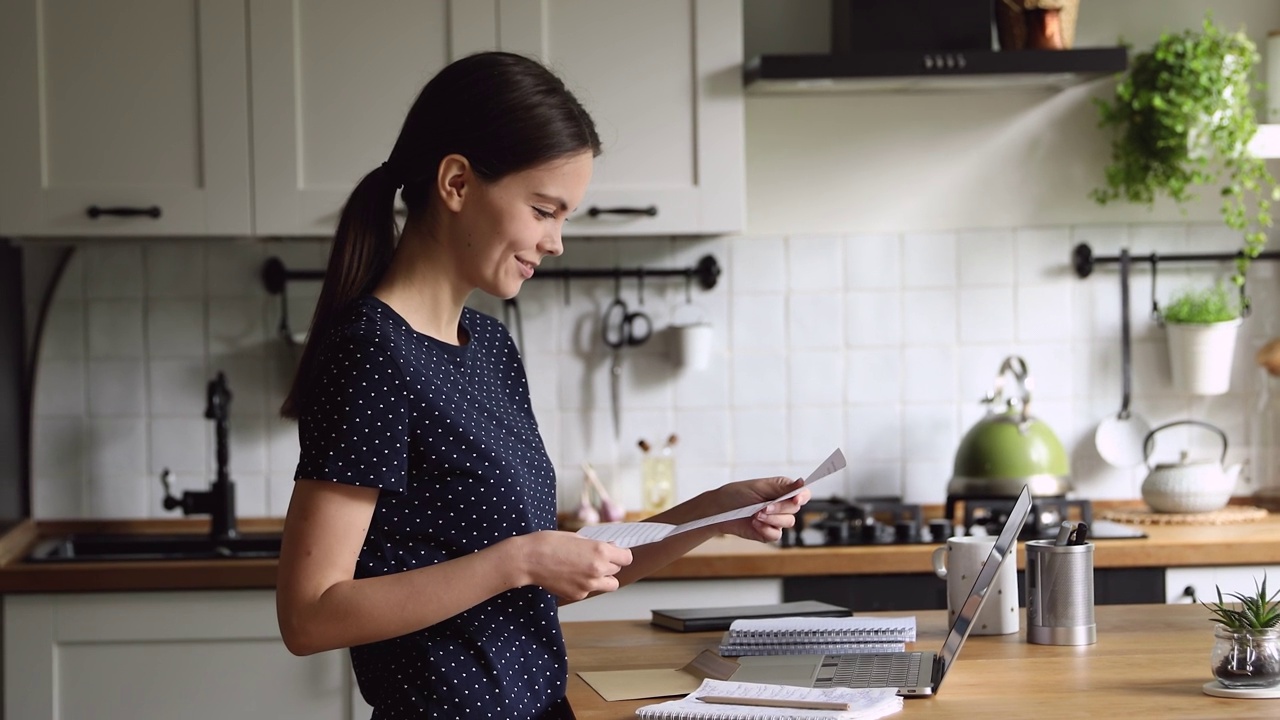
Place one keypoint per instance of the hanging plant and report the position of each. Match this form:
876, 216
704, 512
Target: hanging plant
1183, 117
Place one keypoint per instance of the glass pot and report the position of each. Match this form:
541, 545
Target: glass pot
1248, 659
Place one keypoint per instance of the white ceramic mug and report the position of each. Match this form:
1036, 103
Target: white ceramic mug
692, 345
958, 562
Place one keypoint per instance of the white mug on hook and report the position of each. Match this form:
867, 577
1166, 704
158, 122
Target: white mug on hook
693, 340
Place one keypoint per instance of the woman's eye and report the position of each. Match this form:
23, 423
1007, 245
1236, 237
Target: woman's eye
543, 213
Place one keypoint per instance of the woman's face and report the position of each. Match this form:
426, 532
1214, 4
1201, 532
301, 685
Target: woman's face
510, 225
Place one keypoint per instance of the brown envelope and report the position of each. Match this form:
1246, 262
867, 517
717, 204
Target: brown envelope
659, 682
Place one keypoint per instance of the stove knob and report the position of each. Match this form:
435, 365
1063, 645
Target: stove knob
939, 530
905, 532
870, 532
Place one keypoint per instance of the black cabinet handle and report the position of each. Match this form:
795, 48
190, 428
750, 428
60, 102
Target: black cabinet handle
651, 211
96, 212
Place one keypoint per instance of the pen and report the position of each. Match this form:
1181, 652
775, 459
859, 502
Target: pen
1064, 533
770, 702
1082, 532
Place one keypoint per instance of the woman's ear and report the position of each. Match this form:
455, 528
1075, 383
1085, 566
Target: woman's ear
453, 179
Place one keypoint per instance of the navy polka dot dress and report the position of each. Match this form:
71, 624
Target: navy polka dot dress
447, 434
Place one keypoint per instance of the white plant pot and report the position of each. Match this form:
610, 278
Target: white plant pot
1200, 356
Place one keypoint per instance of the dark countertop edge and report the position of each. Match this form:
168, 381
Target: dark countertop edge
721, 558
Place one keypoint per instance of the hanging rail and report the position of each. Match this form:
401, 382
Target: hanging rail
1083, 259
706, 272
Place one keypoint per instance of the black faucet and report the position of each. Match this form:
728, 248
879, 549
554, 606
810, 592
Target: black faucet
219, 501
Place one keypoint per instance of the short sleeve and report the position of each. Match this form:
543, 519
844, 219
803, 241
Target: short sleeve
354, 428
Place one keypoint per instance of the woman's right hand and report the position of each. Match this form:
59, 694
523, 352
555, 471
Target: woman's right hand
568, 565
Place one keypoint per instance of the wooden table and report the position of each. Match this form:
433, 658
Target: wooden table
1150, 661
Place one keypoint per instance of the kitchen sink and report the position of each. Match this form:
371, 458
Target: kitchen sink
120, 547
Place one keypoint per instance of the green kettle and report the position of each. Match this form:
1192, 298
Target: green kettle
1008, 448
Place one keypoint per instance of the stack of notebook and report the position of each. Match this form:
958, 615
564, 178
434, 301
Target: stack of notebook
817, 636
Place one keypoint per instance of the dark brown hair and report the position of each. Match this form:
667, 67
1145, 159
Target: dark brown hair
503, 112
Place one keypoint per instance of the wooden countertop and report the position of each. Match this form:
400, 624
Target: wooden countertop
1253, 543
1149, 661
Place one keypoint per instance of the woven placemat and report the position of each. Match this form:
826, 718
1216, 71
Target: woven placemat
1228, 515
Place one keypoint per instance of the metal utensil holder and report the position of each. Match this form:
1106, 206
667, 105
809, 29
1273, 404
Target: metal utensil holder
1060, 594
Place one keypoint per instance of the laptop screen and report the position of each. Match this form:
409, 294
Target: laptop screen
1005, 543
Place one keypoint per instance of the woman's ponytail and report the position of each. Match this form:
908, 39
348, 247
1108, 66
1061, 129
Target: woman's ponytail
362, 248
503, 112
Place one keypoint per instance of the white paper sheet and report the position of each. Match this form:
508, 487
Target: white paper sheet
642, 533
859, 703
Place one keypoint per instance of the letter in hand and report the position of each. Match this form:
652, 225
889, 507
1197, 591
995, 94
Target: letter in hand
767, 524
570, 566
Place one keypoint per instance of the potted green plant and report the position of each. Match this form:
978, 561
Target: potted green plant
1246, 648
1183, 117
1201, 324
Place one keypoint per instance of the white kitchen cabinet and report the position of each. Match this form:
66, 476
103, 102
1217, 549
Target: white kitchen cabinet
1189, 584
663, 81
635, 601
141, 656
137, 107
332, 81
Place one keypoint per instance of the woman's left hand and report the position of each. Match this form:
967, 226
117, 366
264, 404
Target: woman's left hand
765, 525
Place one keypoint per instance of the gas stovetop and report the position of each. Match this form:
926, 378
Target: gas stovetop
889, 521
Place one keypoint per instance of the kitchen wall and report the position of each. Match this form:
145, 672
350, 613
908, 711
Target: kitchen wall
898, 247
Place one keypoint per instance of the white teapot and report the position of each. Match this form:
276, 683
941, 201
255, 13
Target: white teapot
1188, 486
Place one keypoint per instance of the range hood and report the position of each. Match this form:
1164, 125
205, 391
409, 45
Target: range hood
905, 45
958, 70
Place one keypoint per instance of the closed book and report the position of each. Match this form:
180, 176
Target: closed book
720, 618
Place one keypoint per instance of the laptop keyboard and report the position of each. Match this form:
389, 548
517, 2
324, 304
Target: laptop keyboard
870, 670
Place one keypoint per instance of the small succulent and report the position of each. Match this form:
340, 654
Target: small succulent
1258, 611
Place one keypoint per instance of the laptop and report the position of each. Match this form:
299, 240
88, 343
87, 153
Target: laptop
915, 674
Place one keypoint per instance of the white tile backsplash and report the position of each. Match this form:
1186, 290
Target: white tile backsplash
883, 344
117, 388
176, 270
873, 317
929, 260
115, 329
816, 321
986, 257
759, 321
112, 270
873, 262
815, 263
929, 317
986, 315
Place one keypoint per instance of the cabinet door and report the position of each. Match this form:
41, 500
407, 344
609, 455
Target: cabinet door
332, 81
663, 81
192, 655
124, 106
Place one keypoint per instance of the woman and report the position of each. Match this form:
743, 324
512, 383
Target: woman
421, 531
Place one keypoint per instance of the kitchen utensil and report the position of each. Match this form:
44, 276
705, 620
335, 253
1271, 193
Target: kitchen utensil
1188, 486
610, 510
622, 328
1119, 439
1060, 594
586, 514
1009, 448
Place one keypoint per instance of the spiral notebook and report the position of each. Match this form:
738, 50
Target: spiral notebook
856, 704
813, 635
